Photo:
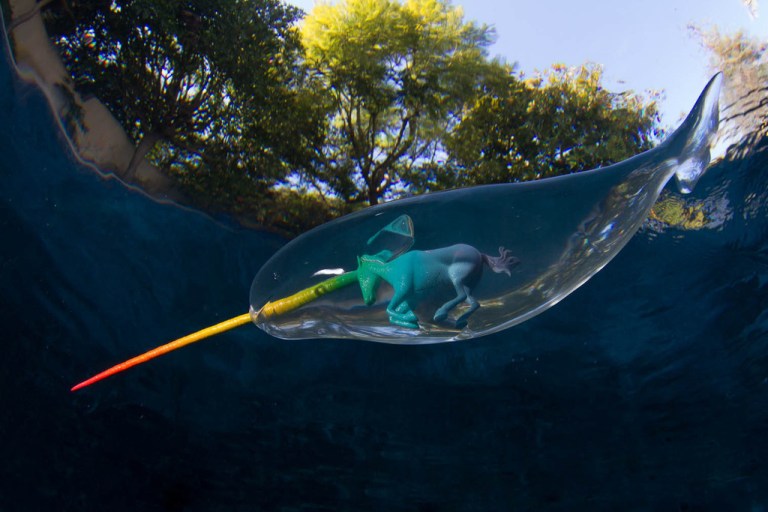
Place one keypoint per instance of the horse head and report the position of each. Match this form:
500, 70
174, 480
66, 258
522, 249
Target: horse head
369, 281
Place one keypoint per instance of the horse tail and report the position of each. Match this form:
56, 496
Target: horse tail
503, 263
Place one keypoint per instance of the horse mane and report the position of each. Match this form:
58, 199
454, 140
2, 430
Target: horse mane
380, 257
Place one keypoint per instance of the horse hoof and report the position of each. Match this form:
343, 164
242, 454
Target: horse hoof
407, 325
439, 317
460, 324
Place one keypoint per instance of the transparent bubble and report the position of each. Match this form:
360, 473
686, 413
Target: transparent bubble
465, 263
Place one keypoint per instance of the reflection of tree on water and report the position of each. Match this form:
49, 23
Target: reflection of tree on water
744, 62
676, 212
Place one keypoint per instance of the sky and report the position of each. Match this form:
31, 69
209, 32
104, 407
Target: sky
641, 44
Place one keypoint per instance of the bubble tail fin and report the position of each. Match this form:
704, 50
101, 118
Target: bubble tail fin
168, 347
695, 136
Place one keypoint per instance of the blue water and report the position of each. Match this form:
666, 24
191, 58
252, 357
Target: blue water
646, 389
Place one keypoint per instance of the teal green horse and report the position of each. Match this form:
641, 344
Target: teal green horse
418, 274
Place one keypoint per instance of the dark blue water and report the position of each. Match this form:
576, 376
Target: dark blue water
647, 389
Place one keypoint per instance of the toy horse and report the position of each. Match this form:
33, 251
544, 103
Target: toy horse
418, 273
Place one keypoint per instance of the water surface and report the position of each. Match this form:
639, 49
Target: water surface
646, 389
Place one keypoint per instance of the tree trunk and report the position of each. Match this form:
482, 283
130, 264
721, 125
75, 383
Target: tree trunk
373, 196
144, 147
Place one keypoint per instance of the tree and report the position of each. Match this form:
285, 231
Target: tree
394, 76
744, 63
558, 122
201, 86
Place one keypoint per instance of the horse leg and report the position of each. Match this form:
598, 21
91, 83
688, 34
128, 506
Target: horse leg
461, 322
400, 312
461, 295
403, 316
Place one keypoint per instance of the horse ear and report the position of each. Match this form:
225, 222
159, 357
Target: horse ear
358, 261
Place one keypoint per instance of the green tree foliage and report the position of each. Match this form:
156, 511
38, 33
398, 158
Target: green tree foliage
394, 75
744, 62
364, 101
203, 87
559, 122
